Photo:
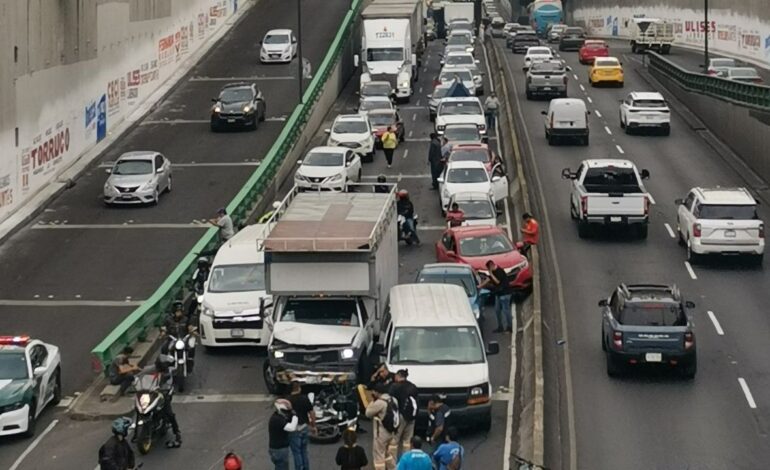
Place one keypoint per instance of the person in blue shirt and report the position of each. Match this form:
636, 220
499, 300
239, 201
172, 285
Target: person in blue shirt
449, 455
416, 458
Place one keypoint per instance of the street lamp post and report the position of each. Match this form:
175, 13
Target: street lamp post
706, 29
300, 70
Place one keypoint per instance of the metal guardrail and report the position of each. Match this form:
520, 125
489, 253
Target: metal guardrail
744, 94
148, 315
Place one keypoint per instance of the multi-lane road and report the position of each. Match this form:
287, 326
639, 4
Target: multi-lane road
720, 419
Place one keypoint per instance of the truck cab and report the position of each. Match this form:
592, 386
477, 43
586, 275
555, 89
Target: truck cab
386, 53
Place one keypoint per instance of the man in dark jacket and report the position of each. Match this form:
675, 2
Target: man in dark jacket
405, 392
116, 453
435, 159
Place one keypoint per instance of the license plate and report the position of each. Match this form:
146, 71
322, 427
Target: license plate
236, 333
546, 88
231, 120
126, 196
730, 233
615, 219
313, 379
653, 357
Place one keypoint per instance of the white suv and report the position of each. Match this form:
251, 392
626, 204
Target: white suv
720, 220
460, 110
354, 132
644, 110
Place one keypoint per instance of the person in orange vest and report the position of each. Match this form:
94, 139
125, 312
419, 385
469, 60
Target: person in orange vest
530, 229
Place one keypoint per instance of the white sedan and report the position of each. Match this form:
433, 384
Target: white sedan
279, 45
328, 168
478, 208
368, 103
535, 55
470, 176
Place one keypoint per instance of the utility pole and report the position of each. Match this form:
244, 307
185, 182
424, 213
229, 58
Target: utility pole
300, 75
706, 27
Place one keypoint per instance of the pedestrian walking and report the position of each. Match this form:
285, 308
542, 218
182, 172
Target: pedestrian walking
299, 439
405, 393
233, 462
439, 415
351, 456
282, 422
450, 454
491, 108
225, 224
385, 420
530, 230
446, 149
121, 371
498, 283
389, 143
116, 453
416, 458
435, 160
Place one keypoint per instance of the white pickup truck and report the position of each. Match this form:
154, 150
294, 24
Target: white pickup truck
608, 192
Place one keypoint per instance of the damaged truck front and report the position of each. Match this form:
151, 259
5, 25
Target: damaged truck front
331, 259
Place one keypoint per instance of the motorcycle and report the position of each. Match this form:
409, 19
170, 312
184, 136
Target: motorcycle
148, 403
403, 234
196, 283
183, 363
336, 409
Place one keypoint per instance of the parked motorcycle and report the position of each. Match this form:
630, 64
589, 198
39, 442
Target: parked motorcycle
148, 403
336, 409
196, 283
409, 238
180, 349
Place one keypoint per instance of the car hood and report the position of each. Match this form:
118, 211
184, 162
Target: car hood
319, 171
11, 391
460, 119
129, 180
233, 107
349, 137
234, 303
504, 260
302, 334
453, 188
446, 376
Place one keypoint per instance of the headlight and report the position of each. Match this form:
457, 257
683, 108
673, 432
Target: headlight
247, 109
179, 345
217, 109
440, 128
144, 400
278, 354
12, 407
347, 353
299, 177
478, 394
337, 177
333, 142
147, 186
404, 84
208, 312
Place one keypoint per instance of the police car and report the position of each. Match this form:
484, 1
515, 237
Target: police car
30, 379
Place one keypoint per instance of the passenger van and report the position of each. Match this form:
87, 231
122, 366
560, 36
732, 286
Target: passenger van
431, 331
566, 118
234, 296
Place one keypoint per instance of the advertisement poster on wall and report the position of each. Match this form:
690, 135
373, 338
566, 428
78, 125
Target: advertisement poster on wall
6, 192
90, 122
101, 119
46, 153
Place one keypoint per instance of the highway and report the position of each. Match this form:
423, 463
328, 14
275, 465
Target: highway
647, 419
72, 274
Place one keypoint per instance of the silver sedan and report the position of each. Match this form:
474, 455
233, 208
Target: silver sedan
138, 178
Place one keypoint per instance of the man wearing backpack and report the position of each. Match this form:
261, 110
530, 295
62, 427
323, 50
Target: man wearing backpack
406, 393
386, 418
450, 454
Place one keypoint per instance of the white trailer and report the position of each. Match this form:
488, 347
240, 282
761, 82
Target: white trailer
651, 33
456, 10
413, 10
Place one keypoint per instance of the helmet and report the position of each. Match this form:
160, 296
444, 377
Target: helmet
121, 425
176, 306
232, 462
164, 361
382, 179
282, 404
203, 262
402, 194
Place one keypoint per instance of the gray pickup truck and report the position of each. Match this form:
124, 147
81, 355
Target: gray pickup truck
548, 79
648, 324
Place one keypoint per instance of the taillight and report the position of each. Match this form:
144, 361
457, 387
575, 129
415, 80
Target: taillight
584, 204
758, 81
565, 79
551, 125
712, 72
696, 230
646, 205
689, 340
617, 340
761, 230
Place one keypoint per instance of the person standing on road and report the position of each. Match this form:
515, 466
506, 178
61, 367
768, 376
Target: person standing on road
351, 456
498, 283
491, 108
455, 216
225, 224
416, 458
298, 440
438, 419
282, 422
435, 160
121, 371
389, 143
530, 230
405, 392
446, 149
381, 376
384, 424
116, 453
450, 454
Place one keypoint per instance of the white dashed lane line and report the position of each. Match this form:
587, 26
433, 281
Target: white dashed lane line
669, 230
747, 393
689, 270
717, 326
608, 130
406, 152
589, 99
582, 87
575, 75
620, 149
414, 117
598, 114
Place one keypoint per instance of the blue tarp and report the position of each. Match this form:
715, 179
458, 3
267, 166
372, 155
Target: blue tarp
457, 90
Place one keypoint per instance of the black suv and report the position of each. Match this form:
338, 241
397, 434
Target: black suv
572, 39
238, 104
648, 324
523, 41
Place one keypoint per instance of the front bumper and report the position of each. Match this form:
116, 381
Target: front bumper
136, 197
338, 185
14, 422
230, 334
701, 247
233, 120
281, 58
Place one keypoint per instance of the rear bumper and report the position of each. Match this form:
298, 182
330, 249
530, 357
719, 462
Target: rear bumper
664, 124
703, 248
570, 46
547, 90
611, 220
673, 358
568, 132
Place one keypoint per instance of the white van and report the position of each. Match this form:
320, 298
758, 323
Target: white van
432, 332
234, 297
566, 118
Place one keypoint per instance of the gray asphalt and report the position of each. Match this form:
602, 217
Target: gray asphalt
650, 419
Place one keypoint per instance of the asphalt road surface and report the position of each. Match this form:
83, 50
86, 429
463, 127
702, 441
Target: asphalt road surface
78, 251
647, 419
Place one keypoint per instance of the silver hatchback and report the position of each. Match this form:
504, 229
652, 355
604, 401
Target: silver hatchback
138, 178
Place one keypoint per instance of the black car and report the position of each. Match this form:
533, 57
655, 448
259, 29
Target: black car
572, 39
648, 324
523, 41
238, 105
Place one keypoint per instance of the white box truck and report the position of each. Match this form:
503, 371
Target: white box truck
456, 10
414, 10
330, 261
386, 52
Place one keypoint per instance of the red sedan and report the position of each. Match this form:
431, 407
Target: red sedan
476, 153
380, 120
592, 49
475, 245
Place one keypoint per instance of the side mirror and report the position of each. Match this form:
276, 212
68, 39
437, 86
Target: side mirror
451, 254
40, 370
294, 40
159, 170
496, 178
430, 97
567, 174
689, 304
328, 131
544, 113
440, 179
645, 174
603, 303
299, 162
493, 347
678, 202
477, 61
356, 60
108, 170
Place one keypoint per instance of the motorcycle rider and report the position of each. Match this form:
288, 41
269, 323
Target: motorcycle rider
381, 187
162, 367
116, 453
178, 325
405, 208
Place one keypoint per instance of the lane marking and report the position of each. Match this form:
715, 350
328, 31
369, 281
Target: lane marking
689, 270
407, 108
590, 100
608, 130
406, 152
418, 103
240, 79
34, 444
652, 199
598, 114
717, 326
414, 117
620, 149
575, 75
669, 230
582, 87
69, 303
194, 164
420, 89
746, 392
410, 134
44, 226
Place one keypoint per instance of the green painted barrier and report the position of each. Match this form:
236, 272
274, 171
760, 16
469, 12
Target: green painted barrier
149, 315
740, 93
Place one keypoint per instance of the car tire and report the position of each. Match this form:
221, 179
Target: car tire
585, 141
622, 124
666, 131
529, 95
360, 171
758, 259
680, 238
627, 129
621, 84
604, 344
641, 231
56, 381
263, 116
692, 257
688, 372
572, 212
584, 229
613, 367
214, 128
551, 139
168, 187
31, 420
432, 117
255, 124
155, 197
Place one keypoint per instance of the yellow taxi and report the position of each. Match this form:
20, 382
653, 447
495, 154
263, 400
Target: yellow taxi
606, 70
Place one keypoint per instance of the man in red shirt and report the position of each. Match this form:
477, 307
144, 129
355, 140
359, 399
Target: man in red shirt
530, 231
455, 216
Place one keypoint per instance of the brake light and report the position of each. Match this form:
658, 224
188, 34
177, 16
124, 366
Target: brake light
758, 80
551, 125
761, 230
584, 204
696, 230
14, 340
712, 72
617, 340
689, 340
565, 79
646, 205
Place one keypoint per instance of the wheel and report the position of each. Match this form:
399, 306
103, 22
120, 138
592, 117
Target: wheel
529, 95
572, 212
31, 420
56, 383
622, 124
263, 116
168, 187
143, 439
432, 117
364, 368
758, 259
551, 139
613, 368
402, 137
626, 128
155, 197
563, 94
666, 131
641, 231
584, 229
634, 49
688, 372
592, 83
604, 345
180, 382
680, 238
358, 180
621, 84
585, 141
692, 257
326, 434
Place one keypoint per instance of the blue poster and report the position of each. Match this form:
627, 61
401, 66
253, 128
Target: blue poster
615, 26
101, 120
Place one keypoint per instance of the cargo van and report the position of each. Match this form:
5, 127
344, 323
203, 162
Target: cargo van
566, 118
432, 332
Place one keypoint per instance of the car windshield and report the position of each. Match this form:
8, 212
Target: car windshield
465, 281
651, 314
485, 245
538, 51
133, 167
461, 107
459, 39
469, 155
523, 37
462, 133
341, 312
744, 73
368, 105
440, 92
460, 59
13, 365
276, 39
394, 54
573, 31
611, 180
350, 127
237, 278
728, 212
323, 159
477, 209
462, 75
649, 104
380, 120
467, 175
607, 63
436, 345
235, 95
722, 63
547, 68
376, 89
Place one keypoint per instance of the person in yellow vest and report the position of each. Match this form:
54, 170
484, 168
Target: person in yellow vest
389, 143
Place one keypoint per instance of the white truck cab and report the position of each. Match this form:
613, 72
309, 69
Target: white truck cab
386, 54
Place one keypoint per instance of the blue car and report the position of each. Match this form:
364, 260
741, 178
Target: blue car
458, 274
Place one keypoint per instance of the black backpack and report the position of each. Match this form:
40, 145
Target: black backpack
391, 420
409, 402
